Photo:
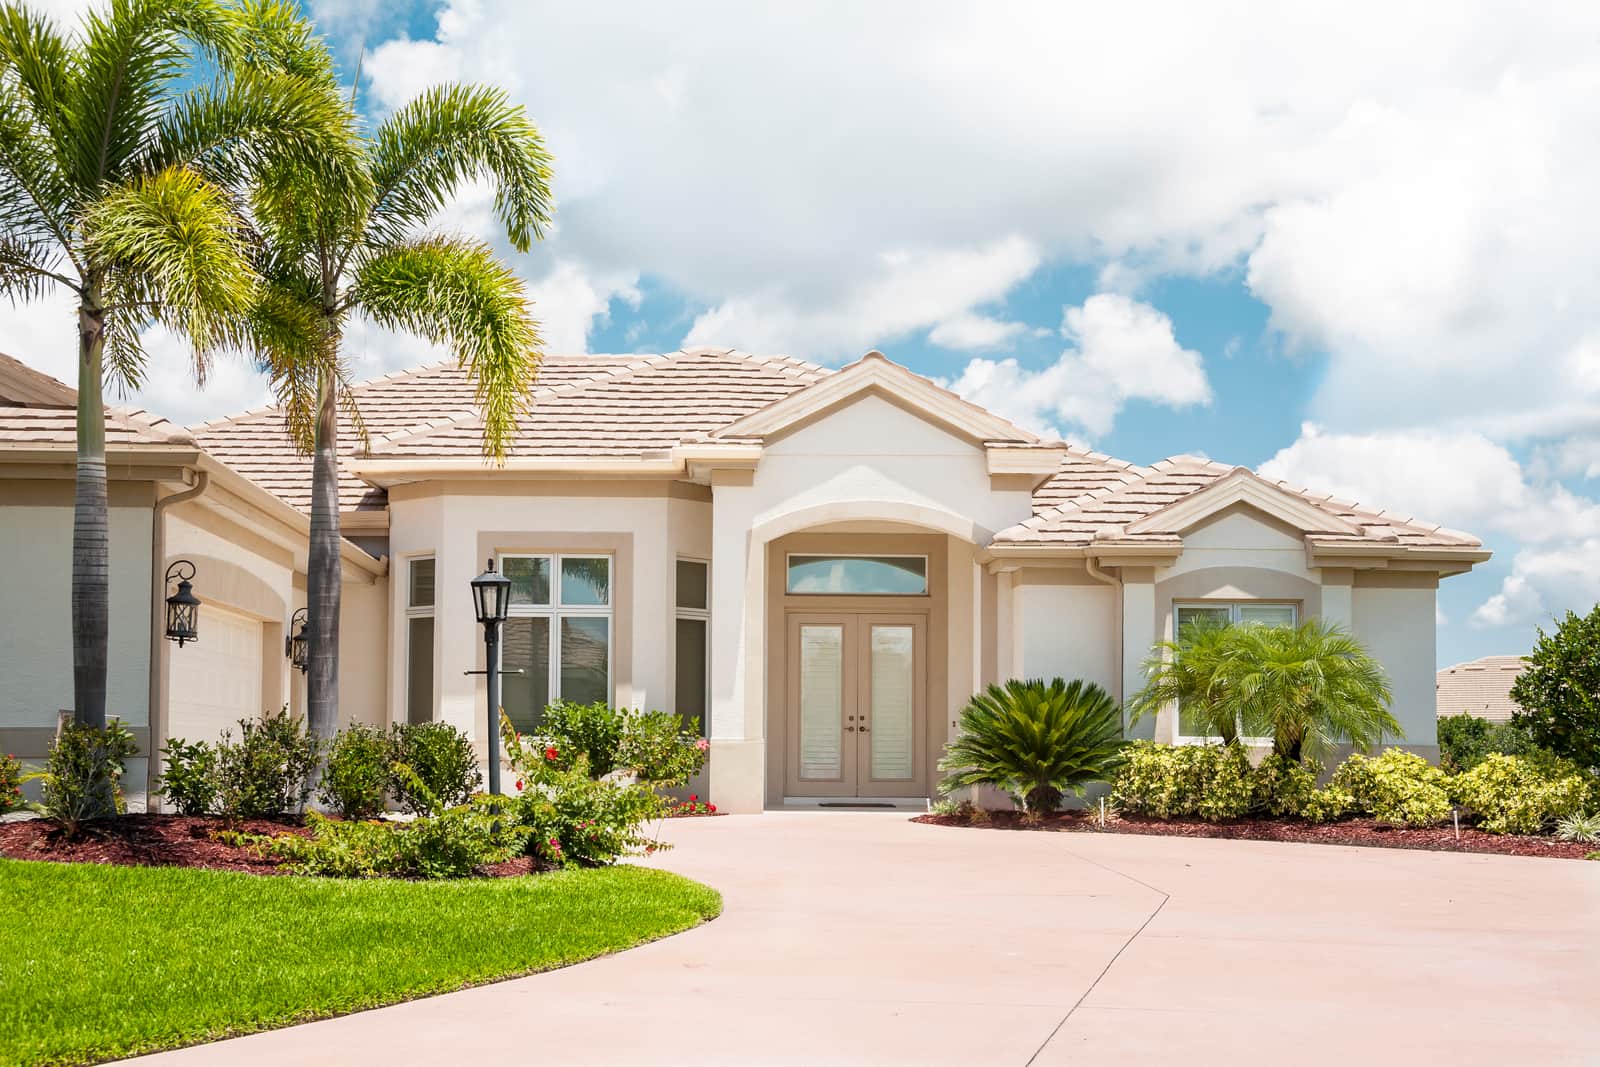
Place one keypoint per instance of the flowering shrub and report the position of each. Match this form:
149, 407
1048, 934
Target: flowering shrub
1400, 788
693, 806
1509, 795
659, 748
441, 757
1213, 782
10, 783
451, 844
590, 730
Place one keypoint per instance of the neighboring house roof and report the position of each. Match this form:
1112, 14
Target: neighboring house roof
38, 411
1481, 688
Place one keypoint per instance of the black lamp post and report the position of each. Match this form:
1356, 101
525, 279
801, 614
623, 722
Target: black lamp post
183, 607
297, 645
491, 597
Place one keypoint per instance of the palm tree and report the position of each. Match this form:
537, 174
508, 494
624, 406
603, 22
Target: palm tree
336, 244
1310, 687
1036, 739
117, 156
1188, 674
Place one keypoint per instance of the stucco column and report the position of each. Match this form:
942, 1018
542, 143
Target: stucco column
1138, 635
1337, 583
463, 698
738, 749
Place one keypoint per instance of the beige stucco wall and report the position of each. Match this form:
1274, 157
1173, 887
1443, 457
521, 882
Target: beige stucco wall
1067, 626
1394, 615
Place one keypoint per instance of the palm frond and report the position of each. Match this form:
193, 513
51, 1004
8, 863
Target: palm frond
36, 198
449, 135
455, 291
28, 266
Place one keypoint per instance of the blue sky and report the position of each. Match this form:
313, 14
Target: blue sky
1350, 247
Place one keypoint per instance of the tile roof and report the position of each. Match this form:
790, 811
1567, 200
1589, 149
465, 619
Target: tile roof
1481, 687
37, 410
1125, 494
602, 406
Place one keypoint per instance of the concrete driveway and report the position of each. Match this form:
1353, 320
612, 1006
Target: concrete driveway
863, 938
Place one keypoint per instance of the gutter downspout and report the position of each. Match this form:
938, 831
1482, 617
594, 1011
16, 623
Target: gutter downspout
157, 717
1092, 567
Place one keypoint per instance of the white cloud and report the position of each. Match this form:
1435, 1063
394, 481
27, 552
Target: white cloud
1545, 581
1121, 350
568, 302
968, 332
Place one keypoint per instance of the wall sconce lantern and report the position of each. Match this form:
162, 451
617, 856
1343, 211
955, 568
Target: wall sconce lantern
297, 644
183, 607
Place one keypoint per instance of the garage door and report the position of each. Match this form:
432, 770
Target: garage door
216, 681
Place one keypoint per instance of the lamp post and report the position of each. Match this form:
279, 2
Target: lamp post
183, 607
491, 597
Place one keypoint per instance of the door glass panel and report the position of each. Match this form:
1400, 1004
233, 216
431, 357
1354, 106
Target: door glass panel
585, 659
821, 701
893, 701
859, 575
525, 646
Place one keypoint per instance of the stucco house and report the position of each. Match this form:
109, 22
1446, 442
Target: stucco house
818, 565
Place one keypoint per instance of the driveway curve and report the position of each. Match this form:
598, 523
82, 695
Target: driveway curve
862, 938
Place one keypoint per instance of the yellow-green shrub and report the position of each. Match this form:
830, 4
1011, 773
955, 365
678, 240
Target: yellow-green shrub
1282, 786
1212, 782
1398, 787
1328, 804
1510, 795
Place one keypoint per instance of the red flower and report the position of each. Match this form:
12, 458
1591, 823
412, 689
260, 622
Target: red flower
694, 796
519, 783
712, 808
550, 753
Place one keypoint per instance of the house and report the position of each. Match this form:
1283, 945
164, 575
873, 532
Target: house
1481, 687
819, 566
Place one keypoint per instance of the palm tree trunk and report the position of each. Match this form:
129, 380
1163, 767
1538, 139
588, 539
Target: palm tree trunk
322, 569
91, 539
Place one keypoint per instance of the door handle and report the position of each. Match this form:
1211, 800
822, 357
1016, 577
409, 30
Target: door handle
849, 729
865, 730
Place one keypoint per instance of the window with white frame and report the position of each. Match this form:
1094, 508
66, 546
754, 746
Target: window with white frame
1265, 613
691, 650
419, 639
557, 634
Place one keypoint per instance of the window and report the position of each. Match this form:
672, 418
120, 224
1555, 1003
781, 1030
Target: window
858, 575
1254, 611
419, 639
691, 649
557, 635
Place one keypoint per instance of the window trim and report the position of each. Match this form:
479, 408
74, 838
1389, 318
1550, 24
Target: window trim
1233, 606
927, 571
555, 611
702, 615
422, 611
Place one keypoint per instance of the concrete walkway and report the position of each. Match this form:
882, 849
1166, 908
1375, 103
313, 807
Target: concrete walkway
863, 938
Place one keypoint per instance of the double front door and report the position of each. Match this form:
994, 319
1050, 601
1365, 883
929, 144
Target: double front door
856, 698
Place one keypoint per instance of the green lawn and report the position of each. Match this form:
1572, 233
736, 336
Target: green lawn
100, 961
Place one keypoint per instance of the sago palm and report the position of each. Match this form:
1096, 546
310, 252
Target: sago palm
332, 248
120, 143
1308, 687
1036, 740
1188, 674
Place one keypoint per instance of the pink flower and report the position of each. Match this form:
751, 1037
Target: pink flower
702, 744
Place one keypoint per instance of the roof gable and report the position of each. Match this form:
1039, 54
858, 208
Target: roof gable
1240, 486
874, 373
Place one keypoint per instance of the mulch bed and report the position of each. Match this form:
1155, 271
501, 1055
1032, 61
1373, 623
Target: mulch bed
148, 840
1361, 832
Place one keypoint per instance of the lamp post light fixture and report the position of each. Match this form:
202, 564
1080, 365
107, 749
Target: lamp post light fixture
297, 643
183, 607
491, 597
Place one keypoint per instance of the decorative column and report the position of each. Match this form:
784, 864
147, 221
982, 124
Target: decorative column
1138, 635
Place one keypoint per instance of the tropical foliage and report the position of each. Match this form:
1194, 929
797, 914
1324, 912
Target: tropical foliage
1559, 694
1398, 787
1215, 783
1036, 740
82, 779
1508, 795
123, 144
1466, 740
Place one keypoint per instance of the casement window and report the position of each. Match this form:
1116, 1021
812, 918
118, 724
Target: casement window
1266, 613
419, 639
557, 634
692, 648
857, 575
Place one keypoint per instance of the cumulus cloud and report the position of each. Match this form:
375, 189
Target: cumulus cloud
968, 332
1120, 350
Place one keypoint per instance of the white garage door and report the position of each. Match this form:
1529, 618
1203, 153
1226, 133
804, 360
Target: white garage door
216, 681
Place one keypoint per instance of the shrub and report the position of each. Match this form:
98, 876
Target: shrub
1398, 787
1509, 795
190, 779
442, 758
1579, 827
358, 772
1212, 782
452, 844
1036, 739
1464, 740
590, 730
1556, 694
1328, 804
10, 783
267, 772
659, 748
1281, 786
82, 778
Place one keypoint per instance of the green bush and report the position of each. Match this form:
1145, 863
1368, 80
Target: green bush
1398, 787
659, 748
590, 730
1211, 782
1283, 787
452, 844
1035, 740
358, 773
1464, 741
1508, 795
1328, 804
1556, 694
190, 779
442, 759
82, 778
267, 772
10, 783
